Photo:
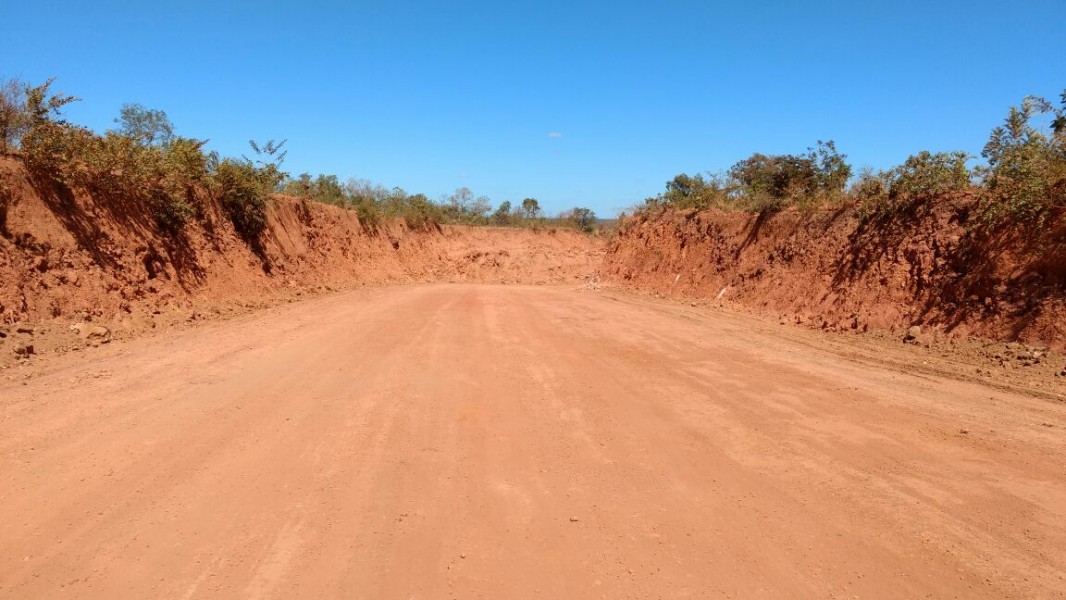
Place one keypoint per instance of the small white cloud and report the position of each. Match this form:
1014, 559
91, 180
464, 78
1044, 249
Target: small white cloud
555, 134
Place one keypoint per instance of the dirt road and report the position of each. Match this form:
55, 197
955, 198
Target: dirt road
517, 442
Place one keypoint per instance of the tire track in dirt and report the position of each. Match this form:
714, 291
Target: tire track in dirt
484, 441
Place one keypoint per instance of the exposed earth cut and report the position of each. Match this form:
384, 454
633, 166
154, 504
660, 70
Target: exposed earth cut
346, 410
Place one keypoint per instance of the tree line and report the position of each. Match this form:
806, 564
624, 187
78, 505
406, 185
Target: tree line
1022, 179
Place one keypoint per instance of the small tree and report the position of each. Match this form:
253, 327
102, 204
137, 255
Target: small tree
502, 216
328, 189
13, 119
49, 145
267, 162
1026, 172
480, 208
584, 218
530, 208
459, 203
149, 127
693, 191
24, 107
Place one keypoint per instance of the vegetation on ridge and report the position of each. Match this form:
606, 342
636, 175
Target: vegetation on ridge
1023, 181
149, 168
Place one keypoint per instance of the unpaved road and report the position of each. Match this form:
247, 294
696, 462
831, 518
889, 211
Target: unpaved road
511, 442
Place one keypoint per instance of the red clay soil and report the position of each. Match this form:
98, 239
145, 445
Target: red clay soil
472, 441
71, 258
833, 271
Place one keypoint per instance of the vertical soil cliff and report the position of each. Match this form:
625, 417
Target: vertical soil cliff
71, 257
933, 268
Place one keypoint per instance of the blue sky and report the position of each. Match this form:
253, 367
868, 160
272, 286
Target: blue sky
575, 103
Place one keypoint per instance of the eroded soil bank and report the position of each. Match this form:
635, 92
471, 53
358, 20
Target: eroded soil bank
933, 269
78, 268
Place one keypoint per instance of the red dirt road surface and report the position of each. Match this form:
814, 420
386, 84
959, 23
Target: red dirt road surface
515, 442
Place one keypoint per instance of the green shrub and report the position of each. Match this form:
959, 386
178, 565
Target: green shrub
922, 177
774, 182
1026, 173
324, 188
762, 183
695, 191
169, 210
368, 211
243, 190
54, 151
160, 178
870, 185
581, 218
420, 213
926, 175
185, 160
502, 215
13, 118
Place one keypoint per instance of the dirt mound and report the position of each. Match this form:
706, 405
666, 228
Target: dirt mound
71, 258
933, 269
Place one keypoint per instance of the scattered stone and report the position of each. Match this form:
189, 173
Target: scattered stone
26, 329
574, 519
462, 555
94, 334
97, 334
24, 350
912, 334
964, 431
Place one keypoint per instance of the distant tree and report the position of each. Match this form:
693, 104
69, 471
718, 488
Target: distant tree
301, 186
328, 189
584, 218
502, 216
530, 208
364, 188
459, 202
480, 208
462, 206
147, 126
693, 191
